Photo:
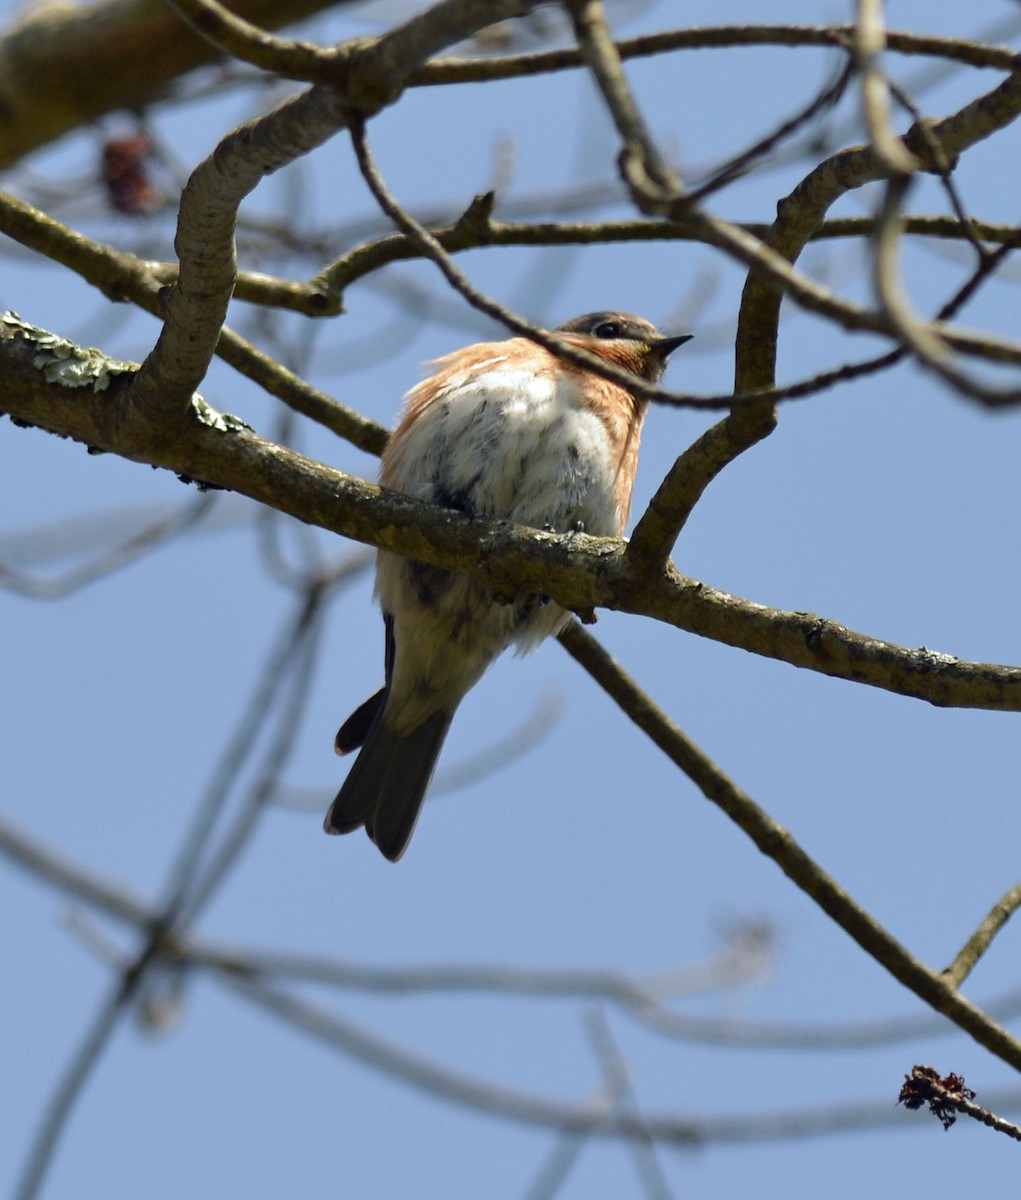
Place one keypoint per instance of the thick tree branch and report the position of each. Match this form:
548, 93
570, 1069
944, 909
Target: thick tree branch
124, 276
374, 75
196, 305
237, 38
153, 415
62, 66
371, 71
580, 572
135, 51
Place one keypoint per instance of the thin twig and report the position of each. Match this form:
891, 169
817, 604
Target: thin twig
957, 50
925, 345
617, 1078
115, 558
946, 1097
640, 156
825, 100
778, 844
234, 754
297, 676
61, 1105
980, 941
433, 250
943, 166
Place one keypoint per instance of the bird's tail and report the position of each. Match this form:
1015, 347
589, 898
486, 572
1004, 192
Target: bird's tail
386, 785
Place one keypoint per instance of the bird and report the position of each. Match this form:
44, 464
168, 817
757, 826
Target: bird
503, 429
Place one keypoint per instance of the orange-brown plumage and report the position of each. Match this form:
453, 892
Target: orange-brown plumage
505, 429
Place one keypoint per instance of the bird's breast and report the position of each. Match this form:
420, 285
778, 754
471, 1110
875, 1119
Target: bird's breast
518, 444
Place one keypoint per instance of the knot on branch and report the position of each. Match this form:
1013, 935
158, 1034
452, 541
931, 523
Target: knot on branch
473, 226
928, 150
367, 77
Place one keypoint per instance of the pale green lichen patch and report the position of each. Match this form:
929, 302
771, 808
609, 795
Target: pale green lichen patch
70, 365
224, 422
65, 363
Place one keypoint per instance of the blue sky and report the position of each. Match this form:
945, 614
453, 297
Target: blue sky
888, 505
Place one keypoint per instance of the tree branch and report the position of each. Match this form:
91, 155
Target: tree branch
778, 844
980, 941
800, 218
578, 571
134, 49
720, 37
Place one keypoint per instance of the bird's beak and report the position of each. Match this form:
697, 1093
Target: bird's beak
664, 346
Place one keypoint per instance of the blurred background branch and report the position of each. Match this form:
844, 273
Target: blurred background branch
202, 649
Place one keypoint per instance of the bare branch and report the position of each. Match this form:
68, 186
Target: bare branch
153, 415
826, 99
240, 39
980, 941
617, 1079
801, 215
195, 887
116, 558
959, 50
642, 998
778, 844
60, 873
83, 1063
476, 229
579, 571
921, 341
800, 218
733, 965
373, 75
461, 1089
869, 43
370, 71
430, 247
121, 275
639, 155
948, 1096
133, 49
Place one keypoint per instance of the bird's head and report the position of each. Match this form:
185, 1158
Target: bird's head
623, 339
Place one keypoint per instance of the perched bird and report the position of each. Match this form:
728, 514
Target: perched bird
502, 429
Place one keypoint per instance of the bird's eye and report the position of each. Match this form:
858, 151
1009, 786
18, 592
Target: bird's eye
607, 329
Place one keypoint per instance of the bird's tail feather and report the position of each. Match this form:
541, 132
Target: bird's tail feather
386, 785
359, 724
